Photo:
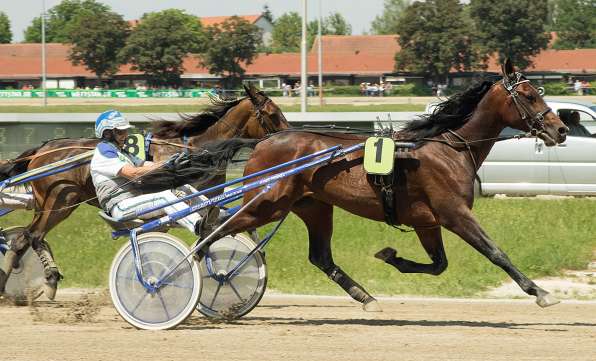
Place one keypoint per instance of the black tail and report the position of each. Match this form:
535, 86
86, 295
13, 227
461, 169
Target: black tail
205, 165
9, 169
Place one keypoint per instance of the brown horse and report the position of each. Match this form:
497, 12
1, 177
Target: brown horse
57, 196
435, 190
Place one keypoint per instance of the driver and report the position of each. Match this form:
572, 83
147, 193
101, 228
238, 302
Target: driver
112, 170
575, 127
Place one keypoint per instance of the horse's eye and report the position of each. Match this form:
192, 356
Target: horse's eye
531, 98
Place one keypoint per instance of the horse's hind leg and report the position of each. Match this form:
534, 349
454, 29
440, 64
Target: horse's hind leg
433, 245
318, 217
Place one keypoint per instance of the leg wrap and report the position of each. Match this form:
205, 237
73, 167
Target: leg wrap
350, 286
46, 257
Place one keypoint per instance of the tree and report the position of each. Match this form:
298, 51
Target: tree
60, 20
97, 39
287, 32
230, 44
267, 14
575, 23
434, 37
161, 41
386, 23
514, 29
334, 24
5, 33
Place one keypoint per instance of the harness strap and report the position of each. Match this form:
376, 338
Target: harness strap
148, 138
37, 155
385, 183
466, 144
165, 142
185, 142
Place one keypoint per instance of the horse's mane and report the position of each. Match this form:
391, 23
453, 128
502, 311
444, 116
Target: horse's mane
450, 114
194, 124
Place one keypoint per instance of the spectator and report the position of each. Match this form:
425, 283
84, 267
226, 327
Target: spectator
435, 89
297, 88
381, 89
585, 88
388, 89
362, 88
310, 89
284, 90
441, 90
577, 87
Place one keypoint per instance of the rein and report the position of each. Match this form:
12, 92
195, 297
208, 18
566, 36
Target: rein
165, 142
37, 155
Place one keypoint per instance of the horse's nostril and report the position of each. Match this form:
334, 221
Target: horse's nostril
563, 130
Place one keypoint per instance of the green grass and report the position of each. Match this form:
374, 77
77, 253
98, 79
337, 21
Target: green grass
189, 108
541, 237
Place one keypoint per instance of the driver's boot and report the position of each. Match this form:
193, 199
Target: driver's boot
207, 223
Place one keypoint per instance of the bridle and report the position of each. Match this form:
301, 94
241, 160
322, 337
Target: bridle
259, 107
535, 122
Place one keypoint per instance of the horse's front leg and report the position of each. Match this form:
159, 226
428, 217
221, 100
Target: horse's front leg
433, 245
461, 221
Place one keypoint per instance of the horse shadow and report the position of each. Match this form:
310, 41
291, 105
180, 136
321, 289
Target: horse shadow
547, 326
300, 321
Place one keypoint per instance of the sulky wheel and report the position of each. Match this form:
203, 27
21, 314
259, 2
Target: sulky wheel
27, 278
236, 295
173, 301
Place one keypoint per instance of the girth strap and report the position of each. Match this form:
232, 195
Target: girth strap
388, 198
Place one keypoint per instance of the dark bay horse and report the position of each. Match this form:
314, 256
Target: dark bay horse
438, 190
57, 196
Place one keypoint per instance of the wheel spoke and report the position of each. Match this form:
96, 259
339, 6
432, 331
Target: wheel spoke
163, 304
130, 278
175, 285
138, 304
235, 291
215, 296
230, 259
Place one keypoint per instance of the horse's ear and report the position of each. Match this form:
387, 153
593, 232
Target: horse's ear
251, 92
508, 69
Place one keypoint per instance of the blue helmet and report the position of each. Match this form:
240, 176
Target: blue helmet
112, 119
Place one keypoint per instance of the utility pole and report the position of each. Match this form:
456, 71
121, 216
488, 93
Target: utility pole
320, 54
303, 76
43, 53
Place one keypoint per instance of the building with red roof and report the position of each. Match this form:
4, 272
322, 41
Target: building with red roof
346, 60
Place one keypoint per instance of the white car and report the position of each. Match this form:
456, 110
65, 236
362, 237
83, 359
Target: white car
528, 167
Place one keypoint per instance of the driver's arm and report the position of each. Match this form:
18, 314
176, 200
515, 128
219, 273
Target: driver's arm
130, 171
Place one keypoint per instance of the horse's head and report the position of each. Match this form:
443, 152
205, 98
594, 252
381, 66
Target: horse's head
268, 117
526, 110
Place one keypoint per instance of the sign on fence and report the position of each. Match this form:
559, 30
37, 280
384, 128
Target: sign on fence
123, 93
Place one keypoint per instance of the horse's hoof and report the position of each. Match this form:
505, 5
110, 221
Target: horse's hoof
547, 300
50, 287
386, 254
372, 306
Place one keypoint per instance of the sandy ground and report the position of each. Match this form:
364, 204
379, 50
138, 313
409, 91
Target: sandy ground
82, 325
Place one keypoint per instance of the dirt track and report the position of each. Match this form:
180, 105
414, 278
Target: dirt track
86, 327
